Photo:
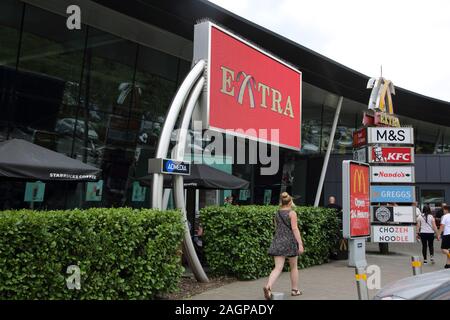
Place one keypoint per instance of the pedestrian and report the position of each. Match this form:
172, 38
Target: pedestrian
287, 243
334, 250
228, 201
418, 213
444, 230
332, 204
439, 212
426, 229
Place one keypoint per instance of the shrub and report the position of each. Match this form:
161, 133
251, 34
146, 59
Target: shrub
236, 238
122, 253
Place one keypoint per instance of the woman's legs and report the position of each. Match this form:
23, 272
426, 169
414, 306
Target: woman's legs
279, 264
294, 272
423, 239
431, 244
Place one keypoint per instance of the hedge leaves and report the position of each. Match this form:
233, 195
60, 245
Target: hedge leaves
236, 238
122, 253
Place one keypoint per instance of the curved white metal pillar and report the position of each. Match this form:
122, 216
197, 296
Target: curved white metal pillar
178, 183
162, 150
169, 124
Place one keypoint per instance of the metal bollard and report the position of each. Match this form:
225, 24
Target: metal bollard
277, 296
416, 265
361, 283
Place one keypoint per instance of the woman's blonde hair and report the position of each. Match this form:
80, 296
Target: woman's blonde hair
285, 199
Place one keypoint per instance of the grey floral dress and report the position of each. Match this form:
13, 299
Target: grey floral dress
284, 243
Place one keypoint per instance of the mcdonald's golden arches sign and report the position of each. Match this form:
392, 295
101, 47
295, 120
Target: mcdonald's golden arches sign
359, 200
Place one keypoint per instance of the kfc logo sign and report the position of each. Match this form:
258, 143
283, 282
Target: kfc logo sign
391, 155
248, 90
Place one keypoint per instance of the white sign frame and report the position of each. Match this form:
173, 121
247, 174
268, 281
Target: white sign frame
408, 173
400, 214
410, 233
360, 155
373, 135
372, 161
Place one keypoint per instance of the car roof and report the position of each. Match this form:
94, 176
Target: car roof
440, 293
415, 286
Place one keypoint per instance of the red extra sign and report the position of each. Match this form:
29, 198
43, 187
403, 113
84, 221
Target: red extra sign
391, 155
250, 92
359, 201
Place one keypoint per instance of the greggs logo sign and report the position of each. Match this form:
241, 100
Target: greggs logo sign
248, 89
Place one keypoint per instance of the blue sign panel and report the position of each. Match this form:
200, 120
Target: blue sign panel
175, 167
392, 194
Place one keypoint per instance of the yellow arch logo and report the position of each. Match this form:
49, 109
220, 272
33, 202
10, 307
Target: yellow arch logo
359, 182
381, 96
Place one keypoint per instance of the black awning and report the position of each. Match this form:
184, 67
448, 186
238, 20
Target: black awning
20, 159
203, 177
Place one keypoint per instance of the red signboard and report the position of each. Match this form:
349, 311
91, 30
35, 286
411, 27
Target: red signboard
391, 155
359, 200
359, 138
250, 92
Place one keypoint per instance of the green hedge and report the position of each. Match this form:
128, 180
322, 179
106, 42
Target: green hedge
122, 253
236, 238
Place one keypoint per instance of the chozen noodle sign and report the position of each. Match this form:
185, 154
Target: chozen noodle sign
356, 199
249, 91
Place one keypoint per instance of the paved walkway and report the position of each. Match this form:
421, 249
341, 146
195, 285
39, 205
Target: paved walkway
334, 280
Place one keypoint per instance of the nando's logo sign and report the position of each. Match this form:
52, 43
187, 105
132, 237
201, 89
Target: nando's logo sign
381, 103
248, 89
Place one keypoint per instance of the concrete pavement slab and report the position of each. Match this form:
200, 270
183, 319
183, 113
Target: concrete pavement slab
334, 280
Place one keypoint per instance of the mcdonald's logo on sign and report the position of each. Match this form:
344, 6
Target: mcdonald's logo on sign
382, 90
381, 102
356, 199
360, 183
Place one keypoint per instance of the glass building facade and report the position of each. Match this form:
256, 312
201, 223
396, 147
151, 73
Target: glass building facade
101, 95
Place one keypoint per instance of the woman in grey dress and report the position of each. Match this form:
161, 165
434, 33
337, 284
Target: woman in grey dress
287, 243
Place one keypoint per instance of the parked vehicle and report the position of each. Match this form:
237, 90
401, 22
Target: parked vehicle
427, 286
66, 126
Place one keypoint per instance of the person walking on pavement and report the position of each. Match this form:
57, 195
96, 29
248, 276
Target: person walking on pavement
287, 243
418, 212
426, 229
438, 213
444, 230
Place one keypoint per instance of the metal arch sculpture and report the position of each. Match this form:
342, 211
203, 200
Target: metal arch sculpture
189, 91
382, 89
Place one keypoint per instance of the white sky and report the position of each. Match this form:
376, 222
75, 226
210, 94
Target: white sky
410, 39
